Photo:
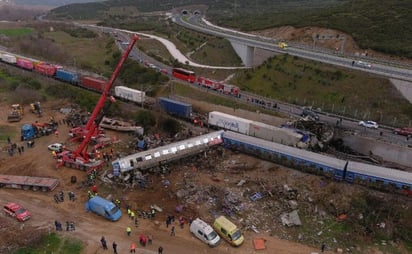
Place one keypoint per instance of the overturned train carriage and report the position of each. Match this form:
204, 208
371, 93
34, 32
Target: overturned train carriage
164, 154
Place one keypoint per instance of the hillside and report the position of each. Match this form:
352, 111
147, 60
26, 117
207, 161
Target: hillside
384, 28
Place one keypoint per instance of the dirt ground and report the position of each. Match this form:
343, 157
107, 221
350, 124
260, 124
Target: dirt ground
216, 173
38, 161
324, 38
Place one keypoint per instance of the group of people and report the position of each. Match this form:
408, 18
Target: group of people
104, 244
132, 245
13, 147
70, 226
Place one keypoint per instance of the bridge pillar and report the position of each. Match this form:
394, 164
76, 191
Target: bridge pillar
245, 52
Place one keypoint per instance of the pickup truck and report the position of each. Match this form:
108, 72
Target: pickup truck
403, 131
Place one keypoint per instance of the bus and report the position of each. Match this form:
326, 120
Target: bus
184, 74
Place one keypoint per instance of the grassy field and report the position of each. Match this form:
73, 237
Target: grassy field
16, 31
85, 53
328, 88
53, 243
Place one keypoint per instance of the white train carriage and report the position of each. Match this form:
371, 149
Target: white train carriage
153, 157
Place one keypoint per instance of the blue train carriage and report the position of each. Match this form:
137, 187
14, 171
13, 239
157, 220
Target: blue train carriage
388, 179
334, 168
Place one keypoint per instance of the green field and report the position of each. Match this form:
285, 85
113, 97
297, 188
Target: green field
16, 31
53, 243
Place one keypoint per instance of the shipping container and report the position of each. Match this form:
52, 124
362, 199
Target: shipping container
229, 122
9, 58
46, 69
67, 76
274, 134
129, 94
176, 108
94, 84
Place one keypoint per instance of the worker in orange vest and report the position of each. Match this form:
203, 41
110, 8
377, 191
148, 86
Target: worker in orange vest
133, 248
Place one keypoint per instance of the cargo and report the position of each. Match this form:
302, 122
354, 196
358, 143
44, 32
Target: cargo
274, 134
129, 94
45, 69
67, 76
8, 58
176, 108
229, 122
94, 84
25, 64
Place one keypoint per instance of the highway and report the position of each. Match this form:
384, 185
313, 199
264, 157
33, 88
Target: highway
379, 67
291, 110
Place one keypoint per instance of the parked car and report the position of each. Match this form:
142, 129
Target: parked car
17, 211
369, 124
57, 147
403, 131
307, 112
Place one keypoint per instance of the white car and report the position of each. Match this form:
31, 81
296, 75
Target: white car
369, 124
57, 147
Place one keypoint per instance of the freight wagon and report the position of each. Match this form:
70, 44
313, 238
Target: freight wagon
275, 134
256, 129
9, 58
46, 69
176, 108
229, 122
129, 94
93, 84
67, 76
25, 64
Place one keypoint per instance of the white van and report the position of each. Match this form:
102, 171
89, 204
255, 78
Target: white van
204, 232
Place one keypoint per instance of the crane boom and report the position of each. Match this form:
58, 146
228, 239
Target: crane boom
91, 124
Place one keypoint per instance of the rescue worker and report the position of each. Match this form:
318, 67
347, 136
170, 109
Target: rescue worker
117, 202
94, 189
89, 194
129, 212
132, 215
133, 248
114, 247
128, 231
54, 154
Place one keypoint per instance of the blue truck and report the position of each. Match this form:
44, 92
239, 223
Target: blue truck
104, 208
67, 76
176, 108
36, 130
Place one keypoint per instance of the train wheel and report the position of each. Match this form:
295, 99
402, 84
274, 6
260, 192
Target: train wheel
26, 187
44, 189
35, 188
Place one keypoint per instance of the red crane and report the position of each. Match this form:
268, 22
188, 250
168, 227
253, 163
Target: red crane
79, 158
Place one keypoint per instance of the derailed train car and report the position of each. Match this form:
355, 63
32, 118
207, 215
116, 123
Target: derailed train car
257, 129
341, 170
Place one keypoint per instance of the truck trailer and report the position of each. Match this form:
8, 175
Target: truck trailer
28, 182
104, 208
